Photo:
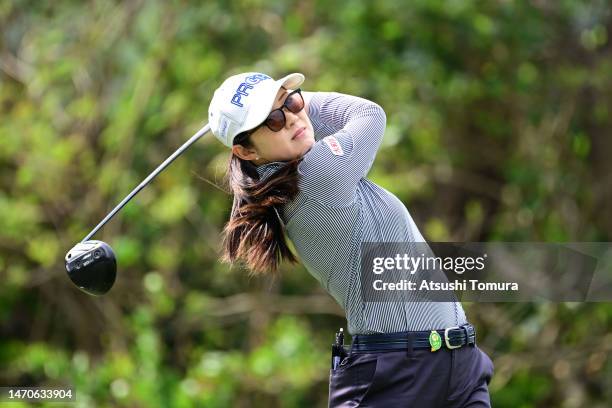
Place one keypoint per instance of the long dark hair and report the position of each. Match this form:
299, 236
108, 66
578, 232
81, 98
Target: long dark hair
254, 234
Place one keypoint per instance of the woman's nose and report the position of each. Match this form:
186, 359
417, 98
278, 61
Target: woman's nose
290, 119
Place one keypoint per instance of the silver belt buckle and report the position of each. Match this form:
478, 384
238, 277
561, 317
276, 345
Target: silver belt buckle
448, 345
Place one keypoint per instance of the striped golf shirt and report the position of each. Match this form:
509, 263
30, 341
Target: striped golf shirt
337, 208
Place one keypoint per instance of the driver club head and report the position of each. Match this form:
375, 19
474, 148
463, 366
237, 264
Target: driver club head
92, 266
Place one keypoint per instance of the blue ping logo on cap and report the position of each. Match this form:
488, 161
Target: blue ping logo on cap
245, 86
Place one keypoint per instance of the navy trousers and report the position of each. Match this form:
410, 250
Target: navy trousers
417, 378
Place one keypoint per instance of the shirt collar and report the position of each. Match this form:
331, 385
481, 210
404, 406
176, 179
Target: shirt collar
267, 169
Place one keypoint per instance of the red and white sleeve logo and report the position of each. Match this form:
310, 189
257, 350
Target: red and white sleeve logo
333, 145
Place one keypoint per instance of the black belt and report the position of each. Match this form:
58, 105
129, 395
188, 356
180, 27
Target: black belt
450, 338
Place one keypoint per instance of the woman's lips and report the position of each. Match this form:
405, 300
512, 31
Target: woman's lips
299, 134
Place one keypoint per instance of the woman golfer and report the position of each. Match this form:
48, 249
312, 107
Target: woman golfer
298, 170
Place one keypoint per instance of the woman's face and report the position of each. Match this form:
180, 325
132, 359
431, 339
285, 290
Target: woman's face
291, 142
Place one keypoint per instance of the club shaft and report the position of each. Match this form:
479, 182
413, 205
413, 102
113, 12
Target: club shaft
151, 176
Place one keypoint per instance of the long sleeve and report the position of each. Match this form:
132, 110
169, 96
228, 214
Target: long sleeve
348, 132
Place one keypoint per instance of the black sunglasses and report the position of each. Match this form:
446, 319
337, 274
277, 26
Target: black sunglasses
276, 120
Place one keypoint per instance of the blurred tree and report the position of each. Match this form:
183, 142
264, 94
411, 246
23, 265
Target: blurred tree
499, 129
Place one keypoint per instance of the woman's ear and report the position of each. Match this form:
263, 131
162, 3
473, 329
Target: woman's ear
244, 153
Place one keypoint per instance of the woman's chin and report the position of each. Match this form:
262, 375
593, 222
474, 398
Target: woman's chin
307, 145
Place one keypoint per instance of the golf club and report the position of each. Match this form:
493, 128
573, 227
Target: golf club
91, 264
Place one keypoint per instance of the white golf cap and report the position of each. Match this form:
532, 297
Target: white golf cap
244, 101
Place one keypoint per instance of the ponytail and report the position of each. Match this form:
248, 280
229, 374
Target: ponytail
254, 233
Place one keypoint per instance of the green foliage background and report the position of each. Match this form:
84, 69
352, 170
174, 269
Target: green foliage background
499, 128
